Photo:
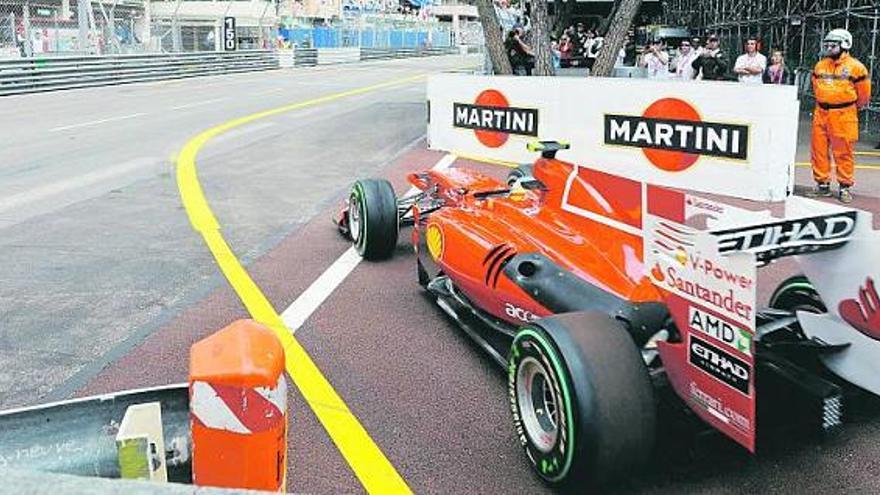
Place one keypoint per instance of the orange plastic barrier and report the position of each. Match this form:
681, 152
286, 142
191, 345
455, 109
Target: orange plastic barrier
238, 408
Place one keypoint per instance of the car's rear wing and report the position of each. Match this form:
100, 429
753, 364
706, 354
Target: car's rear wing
704, 255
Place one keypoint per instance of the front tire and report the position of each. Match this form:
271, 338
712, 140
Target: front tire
372, 218
582, 401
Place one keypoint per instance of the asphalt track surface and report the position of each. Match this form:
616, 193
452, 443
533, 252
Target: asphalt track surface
108, 285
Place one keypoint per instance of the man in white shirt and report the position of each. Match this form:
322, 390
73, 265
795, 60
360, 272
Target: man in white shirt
656, 60
750, 66
684, 69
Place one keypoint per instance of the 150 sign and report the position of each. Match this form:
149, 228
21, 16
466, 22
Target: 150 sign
229, 37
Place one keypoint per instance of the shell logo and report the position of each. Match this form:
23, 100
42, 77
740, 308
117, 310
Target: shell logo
434, 241
657, 273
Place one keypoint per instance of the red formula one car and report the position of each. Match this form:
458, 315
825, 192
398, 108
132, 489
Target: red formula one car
547, 273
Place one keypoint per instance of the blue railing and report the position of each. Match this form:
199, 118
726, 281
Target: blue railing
324, 37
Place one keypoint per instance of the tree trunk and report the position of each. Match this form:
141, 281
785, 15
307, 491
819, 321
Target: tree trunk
541, 39
606, 23
624, 13
492, 34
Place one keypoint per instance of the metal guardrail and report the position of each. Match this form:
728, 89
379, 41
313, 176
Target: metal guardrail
49, 74
78, 436
310, 57
383, 53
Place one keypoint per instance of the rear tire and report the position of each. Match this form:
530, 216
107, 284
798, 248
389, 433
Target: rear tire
797, 294
582, 402
372, 218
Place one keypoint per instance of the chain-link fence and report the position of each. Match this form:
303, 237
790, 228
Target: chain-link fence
33, 28
795, 26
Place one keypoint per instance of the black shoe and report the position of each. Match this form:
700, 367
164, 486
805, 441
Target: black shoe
822, 190
845, 196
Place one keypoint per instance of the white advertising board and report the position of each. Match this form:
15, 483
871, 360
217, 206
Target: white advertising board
724, 138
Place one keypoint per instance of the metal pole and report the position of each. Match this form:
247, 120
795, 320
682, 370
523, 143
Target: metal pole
55, 25
175, 30
12, 34
260, 25
848, 7
787, 24
871, 61
218, 36
175, 35
82, 20
92, 26
147, 36
803, 41
26, 22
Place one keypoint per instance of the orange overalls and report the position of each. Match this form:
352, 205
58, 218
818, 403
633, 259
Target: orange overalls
841, 86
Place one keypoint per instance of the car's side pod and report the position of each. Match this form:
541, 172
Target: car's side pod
560, 291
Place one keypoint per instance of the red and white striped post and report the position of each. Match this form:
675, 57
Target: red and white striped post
238, 409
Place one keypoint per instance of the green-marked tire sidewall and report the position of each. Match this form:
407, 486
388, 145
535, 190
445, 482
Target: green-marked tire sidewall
796, 286
357, 194
378, 229
545, 352
605, 396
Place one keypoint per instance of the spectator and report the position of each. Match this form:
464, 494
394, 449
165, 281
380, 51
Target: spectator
519, 52
566, 50
711, 65
557, 55
630, 46
696, 46
777, 72
656, 60
595, 46
750, 66
582, 39
684, 69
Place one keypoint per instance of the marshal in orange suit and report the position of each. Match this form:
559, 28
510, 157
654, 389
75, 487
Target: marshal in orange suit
841, 86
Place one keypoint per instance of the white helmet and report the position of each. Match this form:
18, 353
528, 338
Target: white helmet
841, 36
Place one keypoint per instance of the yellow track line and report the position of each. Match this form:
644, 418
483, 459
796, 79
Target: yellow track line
369, 464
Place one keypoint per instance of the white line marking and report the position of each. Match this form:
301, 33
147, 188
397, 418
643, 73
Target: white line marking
197, 104
309, 301
77, 182
95, 122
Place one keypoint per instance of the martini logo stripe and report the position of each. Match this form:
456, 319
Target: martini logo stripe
702, 138
521, 121
493, 120
673, 136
